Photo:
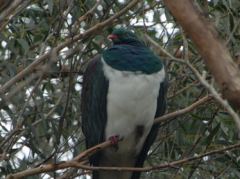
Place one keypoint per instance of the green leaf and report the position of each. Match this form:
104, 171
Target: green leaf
24, 45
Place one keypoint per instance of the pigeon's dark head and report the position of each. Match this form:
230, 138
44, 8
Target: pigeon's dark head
124, 36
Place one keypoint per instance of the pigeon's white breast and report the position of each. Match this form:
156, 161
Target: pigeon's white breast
131, 102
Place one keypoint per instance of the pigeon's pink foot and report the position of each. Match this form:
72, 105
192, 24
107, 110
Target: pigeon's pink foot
114, 139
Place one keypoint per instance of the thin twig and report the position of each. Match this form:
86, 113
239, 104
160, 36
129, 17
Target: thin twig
202, 80
52, 167
183, 89
180, 112
67, 42
216, 95
162, 51
85, 16
11, 11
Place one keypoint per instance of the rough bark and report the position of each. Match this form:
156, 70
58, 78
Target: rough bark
212, 49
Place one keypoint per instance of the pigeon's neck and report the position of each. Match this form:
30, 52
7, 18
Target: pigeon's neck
130, 58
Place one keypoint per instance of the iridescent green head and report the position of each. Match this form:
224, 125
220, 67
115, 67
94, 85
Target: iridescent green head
124, 36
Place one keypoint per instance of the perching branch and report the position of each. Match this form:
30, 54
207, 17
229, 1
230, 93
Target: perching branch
174, 164
77, 162
84, 155
53, 167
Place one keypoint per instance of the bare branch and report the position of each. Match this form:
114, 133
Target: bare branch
52, 167
8, 13
214, 53
173, 164
161, 50
75, 163
209, 87
68, 41
217, 96
183, 111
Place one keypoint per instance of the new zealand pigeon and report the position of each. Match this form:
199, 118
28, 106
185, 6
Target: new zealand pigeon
124, 89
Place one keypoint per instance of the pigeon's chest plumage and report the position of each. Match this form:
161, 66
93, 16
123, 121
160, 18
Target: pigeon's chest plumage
131, 105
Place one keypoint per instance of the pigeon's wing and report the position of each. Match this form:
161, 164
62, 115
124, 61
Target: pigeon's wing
93, 105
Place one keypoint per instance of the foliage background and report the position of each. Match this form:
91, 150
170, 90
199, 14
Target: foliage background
40, 113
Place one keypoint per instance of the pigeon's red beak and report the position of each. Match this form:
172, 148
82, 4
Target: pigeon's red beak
112, 36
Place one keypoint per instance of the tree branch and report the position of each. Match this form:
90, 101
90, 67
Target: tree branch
77, 162
173, 164
67, 42
213, 51
216, 96
202, 80
52, 167
180, 112
8, 12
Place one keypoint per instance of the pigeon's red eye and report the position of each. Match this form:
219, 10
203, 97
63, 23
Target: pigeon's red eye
112, 36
